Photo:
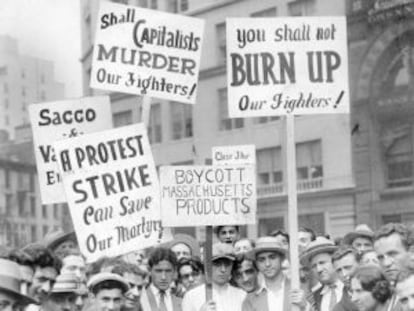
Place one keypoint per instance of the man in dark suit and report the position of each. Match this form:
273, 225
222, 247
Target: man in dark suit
345, 263
158, 296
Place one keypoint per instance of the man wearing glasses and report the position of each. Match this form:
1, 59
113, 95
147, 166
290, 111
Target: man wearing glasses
190, 273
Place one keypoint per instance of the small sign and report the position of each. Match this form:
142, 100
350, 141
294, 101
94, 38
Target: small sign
241, 154
287, 65
55, 121
112, 190
147, 52
208, 195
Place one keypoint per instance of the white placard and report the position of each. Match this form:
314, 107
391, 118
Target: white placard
112, 190
147, 52
287, 65
227, 155
208, 195
59, 120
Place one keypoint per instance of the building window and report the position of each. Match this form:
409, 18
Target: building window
270, 12
269, 166
227, 124
221, 42
262, 120
154, 127
316, 222
397, 142
143, 3
32, 182
44, 211
33, 206
6, 88
183, 5
7, 178
122, 118
309, 160
173, 6
267, 225
42, 78
296, 8
45, 230
181, 120
21, 202
33, 233
154, 4
56, 211
9, 204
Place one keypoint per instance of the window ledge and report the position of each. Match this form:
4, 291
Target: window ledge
390, 192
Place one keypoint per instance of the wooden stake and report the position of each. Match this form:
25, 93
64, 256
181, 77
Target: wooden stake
208, 254
146, 108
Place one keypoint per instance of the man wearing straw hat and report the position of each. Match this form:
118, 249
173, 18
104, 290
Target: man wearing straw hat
10, 297
274, 292
360, 239
318, 255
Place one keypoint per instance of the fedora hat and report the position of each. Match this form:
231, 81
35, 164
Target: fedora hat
361, 231
319, 246
53, 239
107, 276
10, 281
268, 244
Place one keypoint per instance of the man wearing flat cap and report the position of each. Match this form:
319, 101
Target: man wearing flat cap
108, 290
318, 256
274, 292
225, 296
10, 297
360, 239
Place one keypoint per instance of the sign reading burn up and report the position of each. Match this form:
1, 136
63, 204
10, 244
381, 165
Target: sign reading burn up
62, 120
280, 66
112, 190
147, 52
208, 195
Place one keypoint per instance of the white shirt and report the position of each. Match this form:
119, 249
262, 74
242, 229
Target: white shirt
275, 299
167, 298
227, 298
327, 292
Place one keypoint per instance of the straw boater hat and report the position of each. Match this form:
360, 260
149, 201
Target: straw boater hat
187, 240
268, 244
53, 239
10, 281
319, 246
66, 283
361, 231
107, 276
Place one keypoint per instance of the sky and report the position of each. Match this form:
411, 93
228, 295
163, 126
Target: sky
47, 29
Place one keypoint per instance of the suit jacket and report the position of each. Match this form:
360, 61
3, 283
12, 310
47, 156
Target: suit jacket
345, 304
149, 303
257, 301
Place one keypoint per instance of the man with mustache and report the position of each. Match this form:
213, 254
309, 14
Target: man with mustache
391, 245
318, 255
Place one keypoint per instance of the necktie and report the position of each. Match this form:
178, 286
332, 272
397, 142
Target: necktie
163, 305
333, 300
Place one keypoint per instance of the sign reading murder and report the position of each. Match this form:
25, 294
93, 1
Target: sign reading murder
62, 120
241, 154
292, 65
147, 52
208, 195
112, 190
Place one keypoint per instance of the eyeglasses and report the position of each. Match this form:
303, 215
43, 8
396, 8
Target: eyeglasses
187, 275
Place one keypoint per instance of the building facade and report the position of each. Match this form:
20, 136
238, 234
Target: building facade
381, 45
183, 134
23, 80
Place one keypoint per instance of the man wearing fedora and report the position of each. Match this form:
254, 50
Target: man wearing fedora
360, 239
225, 296
275, 292
318, 255
10, 297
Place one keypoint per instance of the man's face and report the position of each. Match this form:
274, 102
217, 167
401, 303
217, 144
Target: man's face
405, 293
181, 251
269, 264
26, 276
60, 302
76, 265
6, 301
109, 300
242, 246
136, 283
228, 234
246, 276
42, 283
391, 254
362, 244
221, 271
304, 238
345, 268
323, 268
65, 247
189, 277
363, 299
162, 274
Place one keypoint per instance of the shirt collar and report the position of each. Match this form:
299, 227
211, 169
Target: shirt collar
263, 286
156, 291
327, 288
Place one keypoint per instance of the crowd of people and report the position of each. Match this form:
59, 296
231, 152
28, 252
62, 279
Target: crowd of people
363, 271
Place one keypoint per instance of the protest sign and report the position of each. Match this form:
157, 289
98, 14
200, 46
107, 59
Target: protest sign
62, 120
112, 190
292, 65
208, 195
147, 52
241, 154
